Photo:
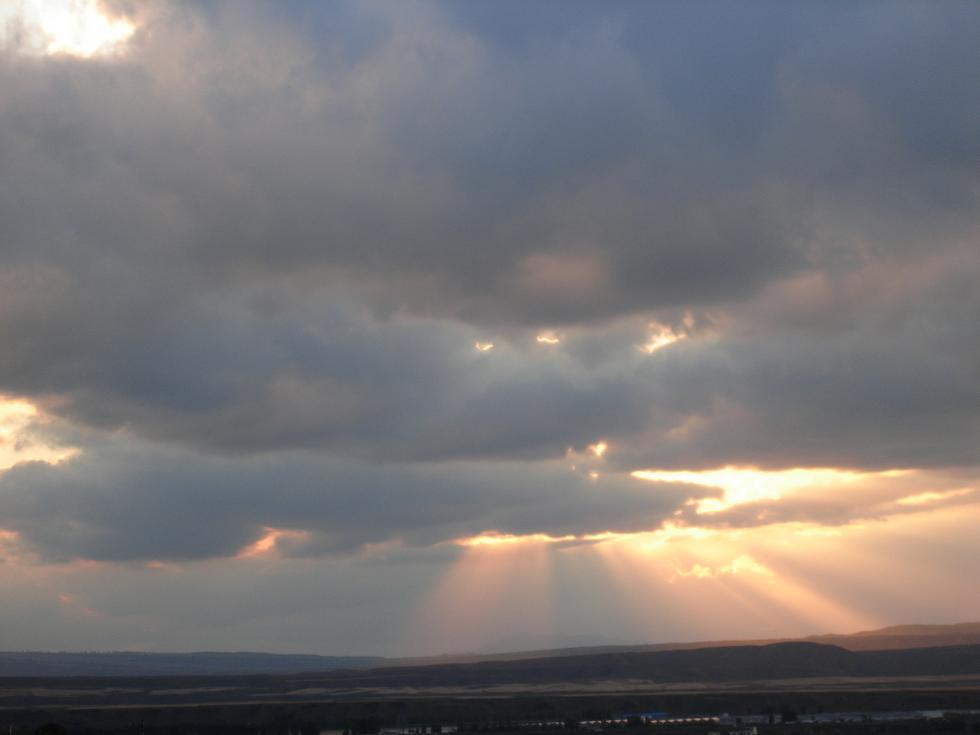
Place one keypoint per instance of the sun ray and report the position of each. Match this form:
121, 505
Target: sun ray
506, 578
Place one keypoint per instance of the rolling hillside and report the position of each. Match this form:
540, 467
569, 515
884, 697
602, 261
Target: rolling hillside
791, 657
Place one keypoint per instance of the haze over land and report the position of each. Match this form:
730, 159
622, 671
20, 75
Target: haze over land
616, 661
405, 328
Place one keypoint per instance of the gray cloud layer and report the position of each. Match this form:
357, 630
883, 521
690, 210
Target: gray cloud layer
279, 229
126, 503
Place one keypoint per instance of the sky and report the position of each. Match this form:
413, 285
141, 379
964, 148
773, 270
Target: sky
410, 328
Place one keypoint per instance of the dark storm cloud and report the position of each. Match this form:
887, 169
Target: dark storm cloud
283, 227
456, 173
880, 369
121, 503
234, 377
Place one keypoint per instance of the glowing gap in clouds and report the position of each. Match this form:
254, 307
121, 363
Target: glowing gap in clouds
507, 539
268, 543
934, 497
492, 539
643, 540
548, 338
483, 346
660, 336
744, 485
71, 27
18, 443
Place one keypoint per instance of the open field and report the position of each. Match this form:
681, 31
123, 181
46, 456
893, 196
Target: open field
249, 690
742, 680
244, 702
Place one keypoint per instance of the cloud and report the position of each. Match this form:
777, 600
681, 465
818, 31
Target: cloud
178, 245
245, 260
122, 502
876, 369
744, 564
871, 497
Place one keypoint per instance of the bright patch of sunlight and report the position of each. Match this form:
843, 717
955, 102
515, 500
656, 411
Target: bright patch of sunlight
267, 544
745, 485
507, 539
18, 443
660, 335
934, 497
72, 27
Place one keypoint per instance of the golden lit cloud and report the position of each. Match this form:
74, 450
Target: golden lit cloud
710, 577
483, 346
935, 497
507, 539
548, 338
17, 442
743, 564
660, 336
745, 485
267, 544
668, 533
72, 27
599, 448
492, 539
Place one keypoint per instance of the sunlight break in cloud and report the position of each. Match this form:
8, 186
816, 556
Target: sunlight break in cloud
268, 543
17, 444
72, 27
660, 336
745, 485
934, 497
496, 539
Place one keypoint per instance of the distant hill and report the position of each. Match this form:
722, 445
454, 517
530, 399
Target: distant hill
905, 636
124, 663
127, 663
890, 638
792, 660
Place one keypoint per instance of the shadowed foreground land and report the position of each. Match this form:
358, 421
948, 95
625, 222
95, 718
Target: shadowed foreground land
476, 713
498, 695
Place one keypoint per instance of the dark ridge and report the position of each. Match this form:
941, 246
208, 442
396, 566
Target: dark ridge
789, 660
131, 663
124, 663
